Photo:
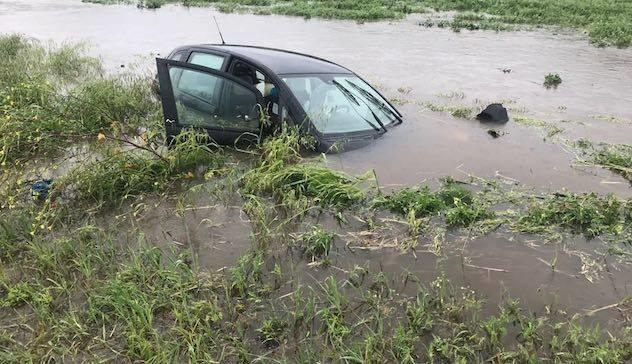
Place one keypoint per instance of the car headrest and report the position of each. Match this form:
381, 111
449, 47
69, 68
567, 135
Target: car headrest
267, 89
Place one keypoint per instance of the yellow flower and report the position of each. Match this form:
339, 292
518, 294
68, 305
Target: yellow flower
101, 137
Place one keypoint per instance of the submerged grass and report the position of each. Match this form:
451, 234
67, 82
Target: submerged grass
462, 112
588, 214
281, 172
617, 158
157, 309
453, 201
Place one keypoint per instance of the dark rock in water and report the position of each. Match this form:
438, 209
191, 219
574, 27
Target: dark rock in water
495, 113
495, 133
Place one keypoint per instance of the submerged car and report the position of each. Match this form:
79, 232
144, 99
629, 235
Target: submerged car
225, 89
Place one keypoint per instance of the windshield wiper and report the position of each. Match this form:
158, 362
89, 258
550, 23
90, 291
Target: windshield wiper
349, 95
374, 100
377, 118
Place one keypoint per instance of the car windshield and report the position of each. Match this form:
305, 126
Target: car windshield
341, 103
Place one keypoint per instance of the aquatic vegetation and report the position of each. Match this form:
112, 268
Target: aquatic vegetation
552, 80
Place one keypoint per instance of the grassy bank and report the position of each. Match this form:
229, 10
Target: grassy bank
80, 282
608, 23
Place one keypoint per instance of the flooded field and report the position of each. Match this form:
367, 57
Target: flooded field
570, 271
466, 67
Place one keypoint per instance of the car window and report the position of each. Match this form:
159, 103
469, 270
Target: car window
211, 101
253, 76
178, 56
207, 60
340, 103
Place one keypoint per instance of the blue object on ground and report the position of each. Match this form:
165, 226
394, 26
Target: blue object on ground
40, 189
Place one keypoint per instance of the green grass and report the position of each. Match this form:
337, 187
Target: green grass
157, 309
317, 242
272, 331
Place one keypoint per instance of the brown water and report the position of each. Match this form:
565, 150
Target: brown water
597, 83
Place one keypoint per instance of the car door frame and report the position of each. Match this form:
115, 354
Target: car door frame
170, 113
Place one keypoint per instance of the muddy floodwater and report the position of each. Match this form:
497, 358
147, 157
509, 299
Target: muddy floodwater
435, 66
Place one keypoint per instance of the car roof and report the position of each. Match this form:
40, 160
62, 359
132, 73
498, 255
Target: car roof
280, 61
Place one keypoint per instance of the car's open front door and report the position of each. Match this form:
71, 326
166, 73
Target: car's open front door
199, 97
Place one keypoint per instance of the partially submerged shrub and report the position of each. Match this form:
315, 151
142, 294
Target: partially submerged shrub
552, 80
52, 96
125, 103
130, 172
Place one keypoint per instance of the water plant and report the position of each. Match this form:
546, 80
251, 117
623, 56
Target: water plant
552, 80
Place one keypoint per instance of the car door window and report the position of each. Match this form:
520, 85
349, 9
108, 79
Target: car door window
268, 89
211, 101
213, 61
178, 56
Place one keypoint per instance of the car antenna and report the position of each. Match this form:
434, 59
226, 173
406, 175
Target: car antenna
219, 30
